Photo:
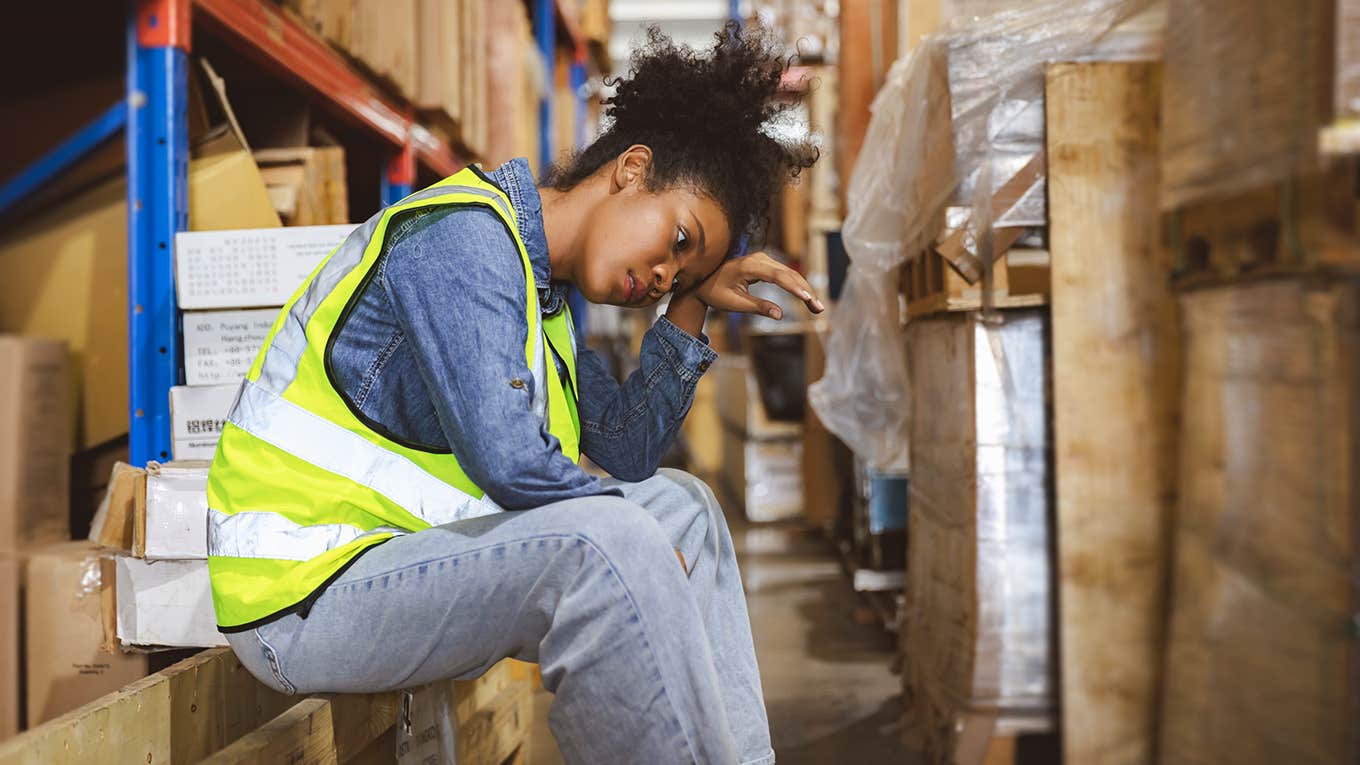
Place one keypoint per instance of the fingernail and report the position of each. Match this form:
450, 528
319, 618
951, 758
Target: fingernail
774, 313
818, 305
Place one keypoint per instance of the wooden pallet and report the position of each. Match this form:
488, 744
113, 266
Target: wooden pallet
1300, 226
1019, 280
209, 709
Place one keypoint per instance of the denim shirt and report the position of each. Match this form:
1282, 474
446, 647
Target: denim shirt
432, 355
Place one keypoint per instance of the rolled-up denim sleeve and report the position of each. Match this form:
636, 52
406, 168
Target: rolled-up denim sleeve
457, 287
627, 428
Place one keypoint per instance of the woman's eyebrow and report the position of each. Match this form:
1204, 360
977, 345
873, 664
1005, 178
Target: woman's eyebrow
703, 244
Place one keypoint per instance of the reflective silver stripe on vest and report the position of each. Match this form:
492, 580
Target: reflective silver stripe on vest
270, 535
281, 361
332, 448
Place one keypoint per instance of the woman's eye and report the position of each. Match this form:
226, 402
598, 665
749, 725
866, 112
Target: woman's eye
681, 239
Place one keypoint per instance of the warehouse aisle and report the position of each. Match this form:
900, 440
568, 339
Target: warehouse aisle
828, 690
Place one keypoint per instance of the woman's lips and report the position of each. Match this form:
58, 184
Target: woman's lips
633, 289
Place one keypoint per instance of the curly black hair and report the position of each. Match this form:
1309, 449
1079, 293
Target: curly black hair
706, 116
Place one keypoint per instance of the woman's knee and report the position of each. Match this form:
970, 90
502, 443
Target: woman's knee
619, 528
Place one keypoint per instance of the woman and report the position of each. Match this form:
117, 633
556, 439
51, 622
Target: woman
396, 497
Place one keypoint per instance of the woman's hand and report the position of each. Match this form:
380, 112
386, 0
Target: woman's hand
729, 288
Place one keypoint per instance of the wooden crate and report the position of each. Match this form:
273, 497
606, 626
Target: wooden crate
977, 639
1020, 279
209, 708
1262, 654
1304, 224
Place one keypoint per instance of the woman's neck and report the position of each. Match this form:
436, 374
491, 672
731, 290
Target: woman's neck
565, 214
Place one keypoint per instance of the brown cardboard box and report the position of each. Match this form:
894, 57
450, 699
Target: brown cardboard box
63, 274
10, 702
383, 38
64, 663
306, 184
439, 59
35, 447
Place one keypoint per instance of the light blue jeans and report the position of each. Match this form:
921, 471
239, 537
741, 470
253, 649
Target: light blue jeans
647, 664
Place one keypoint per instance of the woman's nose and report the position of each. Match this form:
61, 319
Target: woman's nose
663, 276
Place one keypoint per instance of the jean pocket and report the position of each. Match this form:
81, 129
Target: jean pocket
271, 657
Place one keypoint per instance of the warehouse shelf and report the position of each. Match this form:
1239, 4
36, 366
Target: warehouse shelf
153, 118
287, 48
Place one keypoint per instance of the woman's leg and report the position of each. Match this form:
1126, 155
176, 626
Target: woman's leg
589, 588
693, 521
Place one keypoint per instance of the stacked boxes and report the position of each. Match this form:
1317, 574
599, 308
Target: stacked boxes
156, 589
231, 285
762, 457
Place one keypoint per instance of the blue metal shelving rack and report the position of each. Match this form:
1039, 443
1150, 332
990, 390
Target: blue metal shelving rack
153, 117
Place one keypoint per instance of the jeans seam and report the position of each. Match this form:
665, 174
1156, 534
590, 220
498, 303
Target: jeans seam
271, 657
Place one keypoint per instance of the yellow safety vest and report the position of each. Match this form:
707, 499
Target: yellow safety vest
301, 482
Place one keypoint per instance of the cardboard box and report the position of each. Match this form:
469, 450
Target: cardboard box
249, 267
172, 523
220, 346
65, 666
438, 75
35, 447
165, 603
10, 701
383, 38
63, 274
158, 513
196, 418
764, 476
306, 184
739, 402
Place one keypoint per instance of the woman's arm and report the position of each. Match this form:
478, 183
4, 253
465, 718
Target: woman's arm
457, 287
626, 429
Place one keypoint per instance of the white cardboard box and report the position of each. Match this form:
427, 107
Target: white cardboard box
165, 603
176, 511
220, 346
249, 267
196, 418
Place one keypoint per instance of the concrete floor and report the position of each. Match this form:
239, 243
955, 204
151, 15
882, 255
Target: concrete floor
828, 689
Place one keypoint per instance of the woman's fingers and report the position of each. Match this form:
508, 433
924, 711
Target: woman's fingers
791, 282
745, 302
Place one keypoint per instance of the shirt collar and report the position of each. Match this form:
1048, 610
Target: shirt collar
517, 181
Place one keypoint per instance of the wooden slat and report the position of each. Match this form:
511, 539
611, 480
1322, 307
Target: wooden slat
1115, 362
303, 735
360, 718
492, 735
131, 725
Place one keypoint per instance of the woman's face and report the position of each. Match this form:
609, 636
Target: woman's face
640, 244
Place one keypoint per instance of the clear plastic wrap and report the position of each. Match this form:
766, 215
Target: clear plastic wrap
1244, 94
1347, 59
954, 122
979, 619
1264, 639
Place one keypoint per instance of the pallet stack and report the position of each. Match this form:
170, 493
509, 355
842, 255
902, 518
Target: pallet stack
1262, 652
209, 709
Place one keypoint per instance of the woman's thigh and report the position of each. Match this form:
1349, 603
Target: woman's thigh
453, 600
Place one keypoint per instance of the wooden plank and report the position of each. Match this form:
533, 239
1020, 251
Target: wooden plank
1262, 662
361, 718
491, 735
132, 725
303, 735
1020, 279
471, 696
380, 751
1115, 362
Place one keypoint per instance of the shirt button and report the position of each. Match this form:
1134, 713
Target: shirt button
517, 383
704, 365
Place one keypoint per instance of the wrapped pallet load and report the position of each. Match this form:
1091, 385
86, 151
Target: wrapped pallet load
978, 631
954, 176
1262, 656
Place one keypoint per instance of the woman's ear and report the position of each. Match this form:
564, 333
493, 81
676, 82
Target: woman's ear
631, 167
